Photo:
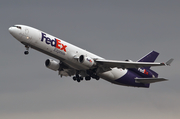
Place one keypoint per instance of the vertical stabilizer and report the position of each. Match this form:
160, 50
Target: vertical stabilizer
150, 57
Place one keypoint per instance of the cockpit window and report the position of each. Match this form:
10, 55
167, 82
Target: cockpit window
18, 27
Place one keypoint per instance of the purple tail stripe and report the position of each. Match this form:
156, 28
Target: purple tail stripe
151, 57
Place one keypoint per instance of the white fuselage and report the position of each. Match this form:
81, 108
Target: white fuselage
60, 50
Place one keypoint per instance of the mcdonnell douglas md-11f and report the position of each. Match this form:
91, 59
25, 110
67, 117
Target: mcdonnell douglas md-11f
81, 64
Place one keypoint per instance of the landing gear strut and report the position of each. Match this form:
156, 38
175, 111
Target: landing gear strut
27, 50
92, 74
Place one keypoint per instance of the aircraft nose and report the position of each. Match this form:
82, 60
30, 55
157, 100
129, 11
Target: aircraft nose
10, 30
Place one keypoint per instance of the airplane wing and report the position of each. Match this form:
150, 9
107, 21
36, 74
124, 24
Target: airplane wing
149, 80
107, 64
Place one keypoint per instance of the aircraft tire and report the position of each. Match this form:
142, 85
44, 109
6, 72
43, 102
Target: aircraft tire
74, 78
78, 80
26, 52
81, 78
97, 78
87, 78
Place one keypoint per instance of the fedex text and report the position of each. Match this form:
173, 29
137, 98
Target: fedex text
53, 42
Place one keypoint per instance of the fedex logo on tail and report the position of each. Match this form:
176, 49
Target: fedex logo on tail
53, 42
143, 71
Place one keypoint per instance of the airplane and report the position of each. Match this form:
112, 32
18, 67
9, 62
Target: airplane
81, 64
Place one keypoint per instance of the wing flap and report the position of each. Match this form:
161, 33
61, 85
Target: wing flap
149, 80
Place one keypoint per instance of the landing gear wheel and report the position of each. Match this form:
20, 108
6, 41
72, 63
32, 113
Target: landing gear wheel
97, 78
87, 78
26, 52
81, 78
74, 78
78, 80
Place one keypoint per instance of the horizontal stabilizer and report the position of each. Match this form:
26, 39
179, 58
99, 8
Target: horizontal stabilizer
149, 80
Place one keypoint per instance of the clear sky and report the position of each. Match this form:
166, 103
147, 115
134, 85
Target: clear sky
113, 29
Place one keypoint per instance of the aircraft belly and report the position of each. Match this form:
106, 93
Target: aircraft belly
113, 74
122, 77
129, 80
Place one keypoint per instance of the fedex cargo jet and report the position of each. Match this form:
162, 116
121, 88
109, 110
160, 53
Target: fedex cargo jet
81, 64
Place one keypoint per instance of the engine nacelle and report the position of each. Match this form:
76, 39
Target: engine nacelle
51, 64
87, 61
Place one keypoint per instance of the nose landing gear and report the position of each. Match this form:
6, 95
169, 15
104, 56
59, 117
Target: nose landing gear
27, 50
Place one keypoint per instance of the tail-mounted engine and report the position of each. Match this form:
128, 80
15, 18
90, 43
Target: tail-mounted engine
51, 64
86, 61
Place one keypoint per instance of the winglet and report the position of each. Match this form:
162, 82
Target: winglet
168, 63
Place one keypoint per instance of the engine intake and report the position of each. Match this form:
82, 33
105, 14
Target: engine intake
51, 64
87, 61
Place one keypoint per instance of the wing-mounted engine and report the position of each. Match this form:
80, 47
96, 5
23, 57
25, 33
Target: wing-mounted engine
62, 68
86, 61
51, 64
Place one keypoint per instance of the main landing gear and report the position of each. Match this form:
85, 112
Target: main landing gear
77, 78
92, 73
27, 50
87, 78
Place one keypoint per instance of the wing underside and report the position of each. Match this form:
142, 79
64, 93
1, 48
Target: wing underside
127, 64
149, 80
